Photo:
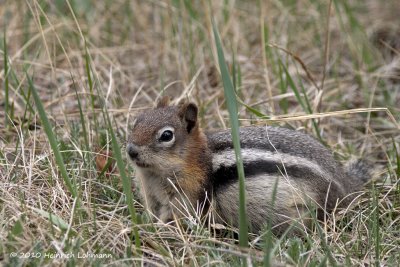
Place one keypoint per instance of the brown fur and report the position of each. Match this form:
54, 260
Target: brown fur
190, 166
185, 164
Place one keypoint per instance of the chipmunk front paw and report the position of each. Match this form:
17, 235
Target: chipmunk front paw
165, 214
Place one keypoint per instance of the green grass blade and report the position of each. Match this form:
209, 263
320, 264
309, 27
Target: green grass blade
57, 221
105, 168
90, 83
304, 103
293, 86
52, 139
268, 237
254, 111
233, 71
28, 106
126, 183
6, 85
324, 245
84, 132
310, 111
230, 97
284, 104
89, 76
375, 225
397, 157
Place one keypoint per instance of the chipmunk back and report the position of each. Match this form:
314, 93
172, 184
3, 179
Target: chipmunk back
174, 158
303, 171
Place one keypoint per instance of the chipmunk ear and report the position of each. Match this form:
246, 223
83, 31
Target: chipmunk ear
163, 102
188, 114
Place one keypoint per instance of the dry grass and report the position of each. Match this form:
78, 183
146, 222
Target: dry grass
120, 56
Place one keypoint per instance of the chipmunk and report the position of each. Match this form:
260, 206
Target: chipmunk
174, 157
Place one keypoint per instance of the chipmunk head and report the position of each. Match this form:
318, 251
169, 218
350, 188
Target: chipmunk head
159, 137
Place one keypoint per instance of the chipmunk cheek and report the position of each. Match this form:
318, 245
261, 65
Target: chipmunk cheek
170, 161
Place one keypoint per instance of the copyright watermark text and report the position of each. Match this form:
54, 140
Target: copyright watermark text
49, 255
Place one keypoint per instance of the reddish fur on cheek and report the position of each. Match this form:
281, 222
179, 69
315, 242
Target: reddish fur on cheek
142, 136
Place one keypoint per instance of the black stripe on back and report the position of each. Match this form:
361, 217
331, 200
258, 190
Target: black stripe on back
226, 175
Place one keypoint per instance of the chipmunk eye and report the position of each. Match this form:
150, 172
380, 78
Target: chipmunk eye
166, 136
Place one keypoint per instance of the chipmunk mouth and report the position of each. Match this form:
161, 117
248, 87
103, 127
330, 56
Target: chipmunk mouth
141, 164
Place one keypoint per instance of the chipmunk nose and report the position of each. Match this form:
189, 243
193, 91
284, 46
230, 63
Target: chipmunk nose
132, 151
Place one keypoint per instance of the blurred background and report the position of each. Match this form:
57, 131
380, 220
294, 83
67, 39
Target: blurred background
337, 55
